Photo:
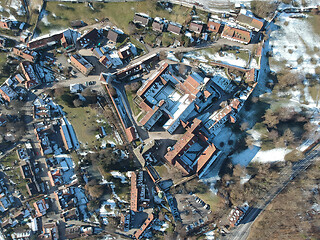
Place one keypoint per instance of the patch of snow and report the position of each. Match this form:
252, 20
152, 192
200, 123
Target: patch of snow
316, 207
245, 179
117, 174
226, 57
210, 235
172, 57
17, 5
195, 56
273, 155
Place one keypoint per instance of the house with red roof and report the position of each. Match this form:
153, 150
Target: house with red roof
236, 34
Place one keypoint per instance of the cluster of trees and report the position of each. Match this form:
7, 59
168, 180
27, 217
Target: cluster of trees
263, 8
262, 177
284, 127
288, 79
72, 100
95, 189
133, 87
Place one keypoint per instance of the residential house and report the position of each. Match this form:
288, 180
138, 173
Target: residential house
214, 26
69, 39
141, 19
113, 35
8, 93
72, 232
127, 51
5, 23
106, 61
196, 26
250, 22
26, 170
236, 34
72, 214
26, 235
65, 198
45, 41
158, 25
175, 28
32, 188
25, 54
32, 79
81, 64
5, 202
139, 197
19, 78
41, 206
50, 231
88, 38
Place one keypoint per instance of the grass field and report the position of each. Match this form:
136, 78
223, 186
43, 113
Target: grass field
84, 121
60, 14
134, 108
14, 173
3, 59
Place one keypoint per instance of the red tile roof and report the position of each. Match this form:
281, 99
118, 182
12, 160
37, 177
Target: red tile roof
134, 193
236, 34
205, 157
139, 233
214, 26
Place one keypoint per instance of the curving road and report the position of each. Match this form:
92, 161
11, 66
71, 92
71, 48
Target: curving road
241, 232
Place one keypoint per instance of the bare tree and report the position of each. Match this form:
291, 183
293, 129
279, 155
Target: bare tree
288, 136
244, 126
270, 119
249, 141
58, 92
77, 103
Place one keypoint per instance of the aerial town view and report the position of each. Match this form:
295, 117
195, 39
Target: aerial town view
160, 119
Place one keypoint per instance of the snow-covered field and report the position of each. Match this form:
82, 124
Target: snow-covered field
205, 56
294, 42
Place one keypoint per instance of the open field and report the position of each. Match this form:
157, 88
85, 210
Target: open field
60, 14
86, 121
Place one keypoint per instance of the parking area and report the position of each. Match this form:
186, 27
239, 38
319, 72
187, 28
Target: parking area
193, 210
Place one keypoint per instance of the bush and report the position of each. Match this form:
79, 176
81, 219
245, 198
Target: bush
294, 156
263, 8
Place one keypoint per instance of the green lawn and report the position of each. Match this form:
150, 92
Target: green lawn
14, 174
60, 14
162, 170
134, 108
3, 59
211, 199
140, 47
84, 122
9, 161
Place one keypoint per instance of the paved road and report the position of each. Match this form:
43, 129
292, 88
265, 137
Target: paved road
242, 231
